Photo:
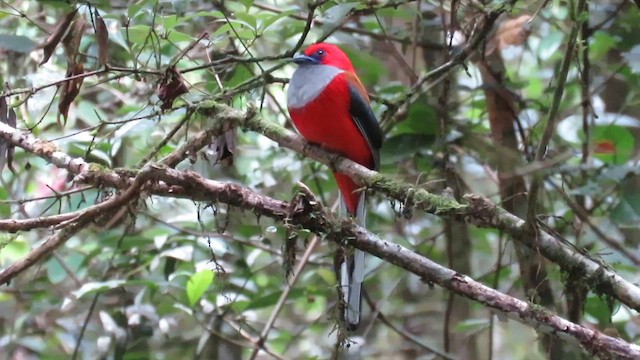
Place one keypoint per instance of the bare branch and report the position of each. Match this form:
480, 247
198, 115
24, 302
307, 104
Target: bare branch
550, 119
478, 211
75, 225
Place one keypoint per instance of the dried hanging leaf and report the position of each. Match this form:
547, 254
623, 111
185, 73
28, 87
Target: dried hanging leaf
3, 144
290, 249
102, 36
224, 147
513, 31
69, 90
57, 35
171, 87
71, 42
510, 32
7, 116
11, 149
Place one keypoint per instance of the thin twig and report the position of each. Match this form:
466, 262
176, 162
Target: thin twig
94, 301
425, 44
48, 197
549, 120
285, 294
307, 27
74, 226
581, 213
391, 116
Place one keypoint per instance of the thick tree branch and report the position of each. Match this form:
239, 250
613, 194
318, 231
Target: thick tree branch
74, 223
527, 313
308, 214
478, 211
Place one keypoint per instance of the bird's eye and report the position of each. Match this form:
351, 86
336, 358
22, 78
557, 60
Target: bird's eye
320, 52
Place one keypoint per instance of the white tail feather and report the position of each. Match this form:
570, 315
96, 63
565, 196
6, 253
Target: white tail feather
352, 275
344, 281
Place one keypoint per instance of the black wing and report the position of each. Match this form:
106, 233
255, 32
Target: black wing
366, 121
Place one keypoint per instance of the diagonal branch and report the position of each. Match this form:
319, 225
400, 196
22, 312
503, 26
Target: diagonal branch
74, 225
310, 215
478, 210
285, 294
550, 119
529, 314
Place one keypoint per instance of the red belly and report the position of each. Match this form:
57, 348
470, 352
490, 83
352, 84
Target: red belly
326, 121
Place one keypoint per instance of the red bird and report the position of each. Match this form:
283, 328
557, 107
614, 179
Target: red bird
330, 107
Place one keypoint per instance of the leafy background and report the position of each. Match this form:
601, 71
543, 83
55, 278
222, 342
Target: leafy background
182, 279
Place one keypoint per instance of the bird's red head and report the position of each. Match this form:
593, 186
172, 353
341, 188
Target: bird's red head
325, 54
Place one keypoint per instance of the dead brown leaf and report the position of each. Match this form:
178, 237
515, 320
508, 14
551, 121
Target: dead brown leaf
102, 36
69, 90
224, 147
171, 87
513, 32
510, 32
71, 42
7, 116
57, 35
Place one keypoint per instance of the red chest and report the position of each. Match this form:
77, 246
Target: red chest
326, 121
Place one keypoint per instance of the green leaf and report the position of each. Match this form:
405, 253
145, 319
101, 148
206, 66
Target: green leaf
169, 22
240, 28
138, 33
198, 284
240, 75
560, 12
94, 287
246, 19
601, 43
56, 272
90, 113
535, 87
214, 14
614, 144
627, 211
12, 248
221, 30
618, 173
583, 16
179, 37
399, 147
59, 4
327, 275
180, 6
183, 308
271, 299
247, 3
599, 309
100, 286
269, 19
369, 68
550, 44
336, 13
5, 209
182, 253
420, 120
134, 10
471, 325
17, 43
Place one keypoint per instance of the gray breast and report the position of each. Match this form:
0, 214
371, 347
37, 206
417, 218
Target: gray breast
307, 83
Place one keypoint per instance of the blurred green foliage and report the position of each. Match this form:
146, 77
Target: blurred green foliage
197, 280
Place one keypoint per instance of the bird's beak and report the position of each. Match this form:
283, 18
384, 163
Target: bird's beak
304, 59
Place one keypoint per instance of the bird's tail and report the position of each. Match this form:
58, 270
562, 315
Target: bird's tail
351, 268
